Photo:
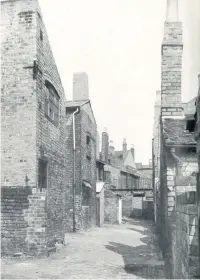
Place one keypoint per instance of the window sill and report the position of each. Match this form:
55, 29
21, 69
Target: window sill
53, 122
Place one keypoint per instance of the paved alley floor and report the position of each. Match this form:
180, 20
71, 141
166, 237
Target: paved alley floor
126, 251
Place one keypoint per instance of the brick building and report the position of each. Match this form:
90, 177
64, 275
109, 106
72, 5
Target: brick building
80, 126
175, 164
33, 176
197, 137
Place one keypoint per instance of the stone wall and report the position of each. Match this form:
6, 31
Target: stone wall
127, 204
185, 240
111, 204
137, 207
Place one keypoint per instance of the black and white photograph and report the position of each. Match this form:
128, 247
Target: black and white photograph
100, 139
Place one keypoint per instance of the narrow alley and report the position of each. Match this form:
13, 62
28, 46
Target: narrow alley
126, 251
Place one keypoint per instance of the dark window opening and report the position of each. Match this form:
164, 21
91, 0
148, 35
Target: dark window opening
52, 104
190, 126
88, 140
42, 175
41, 35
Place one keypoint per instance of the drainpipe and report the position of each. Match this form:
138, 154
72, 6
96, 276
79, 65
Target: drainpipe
177, 159
74, 166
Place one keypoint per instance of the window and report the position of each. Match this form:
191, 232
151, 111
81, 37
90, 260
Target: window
52, 103
88, 140
41, 35
42, 175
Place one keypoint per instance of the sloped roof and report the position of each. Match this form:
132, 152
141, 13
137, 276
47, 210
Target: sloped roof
75, 103
175, 133
189, 107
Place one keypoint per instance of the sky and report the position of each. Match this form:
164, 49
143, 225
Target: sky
118, 44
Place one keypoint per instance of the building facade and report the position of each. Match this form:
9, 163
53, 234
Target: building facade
33, 133
176, 207
80, 158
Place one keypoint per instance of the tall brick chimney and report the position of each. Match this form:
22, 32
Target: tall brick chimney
133, 151
104, 146
124, 146
172, 48
80, 86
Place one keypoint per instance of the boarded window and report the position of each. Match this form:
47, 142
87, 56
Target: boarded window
42, 175
52, 103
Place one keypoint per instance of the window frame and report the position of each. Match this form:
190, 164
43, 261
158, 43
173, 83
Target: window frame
52, 103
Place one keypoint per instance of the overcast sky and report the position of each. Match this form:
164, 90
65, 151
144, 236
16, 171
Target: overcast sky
118, 43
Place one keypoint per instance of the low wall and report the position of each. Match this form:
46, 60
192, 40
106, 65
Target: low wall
137, 207
127, 205
111, 207
185, 236
23, 221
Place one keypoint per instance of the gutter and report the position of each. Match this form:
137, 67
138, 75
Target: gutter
74, 165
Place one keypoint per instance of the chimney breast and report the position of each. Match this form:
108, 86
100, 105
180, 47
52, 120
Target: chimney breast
80, 86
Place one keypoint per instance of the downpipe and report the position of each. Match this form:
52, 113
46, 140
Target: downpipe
74, 166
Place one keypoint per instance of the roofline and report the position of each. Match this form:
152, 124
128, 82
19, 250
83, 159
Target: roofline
182, 145
77, 106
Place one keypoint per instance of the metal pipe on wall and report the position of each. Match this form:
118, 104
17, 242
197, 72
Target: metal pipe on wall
74, 166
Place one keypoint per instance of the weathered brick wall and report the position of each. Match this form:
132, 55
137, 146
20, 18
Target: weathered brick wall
50, 137
14, 201
185, 243
88, 167
27, 134
171, 69
104, 146
111, 205
23, 221
18, 93
85, 168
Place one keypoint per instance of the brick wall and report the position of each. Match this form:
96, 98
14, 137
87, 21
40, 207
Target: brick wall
18, 95
185, 236
14, 201
104, 146
27, 134
85, 167
24, 222
50, 137
171, 66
